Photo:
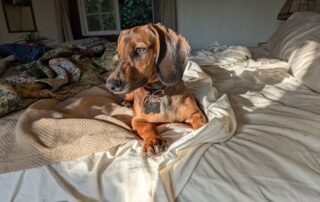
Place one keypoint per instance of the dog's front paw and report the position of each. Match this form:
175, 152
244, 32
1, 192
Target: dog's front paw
154, 146
126, 103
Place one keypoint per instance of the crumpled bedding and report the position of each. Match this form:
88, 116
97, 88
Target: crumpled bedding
22, 52
125, 173
273, 155
215, 54
60, 73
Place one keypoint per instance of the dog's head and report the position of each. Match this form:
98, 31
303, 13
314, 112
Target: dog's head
147, 54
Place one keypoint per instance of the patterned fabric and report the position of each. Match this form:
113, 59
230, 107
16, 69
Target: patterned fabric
11, 100
86, 43
66, 71
60, 73
109, 59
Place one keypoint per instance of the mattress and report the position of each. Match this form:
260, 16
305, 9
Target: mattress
273, 155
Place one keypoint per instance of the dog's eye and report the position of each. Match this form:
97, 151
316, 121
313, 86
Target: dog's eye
140, 51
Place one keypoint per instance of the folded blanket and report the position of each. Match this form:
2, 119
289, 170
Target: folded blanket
50, 131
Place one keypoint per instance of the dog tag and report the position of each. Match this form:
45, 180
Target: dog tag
149, 107
151, 103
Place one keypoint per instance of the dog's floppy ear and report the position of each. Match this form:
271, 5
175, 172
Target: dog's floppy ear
172, 54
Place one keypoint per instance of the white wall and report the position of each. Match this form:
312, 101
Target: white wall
242, 22
44, 12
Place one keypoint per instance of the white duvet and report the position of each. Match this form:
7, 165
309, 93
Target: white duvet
273, 156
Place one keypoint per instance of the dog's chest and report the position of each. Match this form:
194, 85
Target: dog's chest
169, 105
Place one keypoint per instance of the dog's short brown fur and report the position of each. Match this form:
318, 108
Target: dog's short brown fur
153, 57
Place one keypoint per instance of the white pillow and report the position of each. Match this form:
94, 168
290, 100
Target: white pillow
305, 63
298, 42
299, 27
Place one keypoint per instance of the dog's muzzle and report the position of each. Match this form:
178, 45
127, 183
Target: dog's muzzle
114, 85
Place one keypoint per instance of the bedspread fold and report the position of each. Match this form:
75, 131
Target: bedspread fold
51, 131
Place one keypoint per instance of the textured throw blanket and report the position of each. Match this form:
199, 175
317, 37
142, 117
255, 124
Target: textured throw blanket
50, 131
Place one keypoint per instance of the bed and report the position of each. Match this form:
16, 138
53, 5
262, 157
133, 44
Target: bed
261, 144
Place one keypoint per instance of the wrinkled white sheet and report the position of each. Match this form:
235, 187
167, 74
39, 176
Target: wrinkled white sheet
215, 54
275, 154
124, 173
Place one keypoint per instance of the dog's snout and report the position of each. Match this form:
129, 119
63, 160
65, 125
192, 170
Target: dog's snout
114, 84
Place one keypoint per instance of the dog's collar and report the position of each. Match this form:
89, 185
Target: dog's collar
153, 93
152, 90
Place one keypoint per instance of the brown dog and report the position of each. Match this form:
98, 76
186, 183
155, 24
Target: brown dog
152, 59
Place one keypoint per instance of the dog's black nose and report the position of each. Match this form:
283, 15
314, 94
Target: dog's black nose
113, 85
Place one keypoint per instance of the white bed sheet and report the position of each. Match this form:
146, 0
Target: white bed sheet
275, 154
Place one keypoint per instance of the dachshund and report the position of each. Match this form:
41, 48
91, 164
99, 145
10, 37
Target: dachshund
152, 59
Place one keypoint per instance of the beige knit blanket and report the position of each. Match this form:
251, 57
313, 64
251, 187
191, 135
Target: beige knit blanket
50, 131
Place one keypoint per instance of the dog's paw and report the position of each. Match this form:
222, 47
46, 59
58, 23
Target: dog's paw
154, 146
126, 103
